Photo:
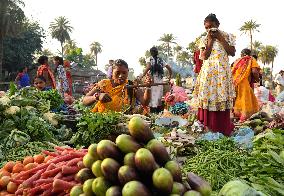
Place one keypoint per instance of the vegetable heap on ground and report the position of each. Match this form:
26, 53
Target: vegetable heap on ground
221, 161
217, 161
93, 127
136, 164
52, 174
264, 169
25, 118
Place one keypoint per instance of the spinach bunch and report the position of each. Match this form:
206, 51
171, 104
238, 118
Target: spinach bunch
93, 127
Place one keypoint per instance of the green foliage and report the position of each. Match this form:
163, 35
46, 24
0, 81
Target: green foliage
264, 169
20, 50
94, 127
217, 161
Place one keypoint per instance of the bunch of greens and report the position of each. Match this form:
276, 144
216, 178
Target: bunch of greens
264, 169
54, 97
28, 149
217, 161
93, 127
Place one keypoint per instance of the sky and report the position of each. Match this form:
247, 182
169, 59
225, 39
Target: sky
127, 28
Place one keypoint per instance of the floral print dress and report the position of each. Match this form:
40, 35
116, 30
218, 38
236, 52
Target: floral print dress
214, 88
61, 79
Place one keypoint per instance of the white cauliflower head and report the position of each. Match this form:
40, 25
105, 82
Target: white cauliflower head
4, 100
51, 117
12, 110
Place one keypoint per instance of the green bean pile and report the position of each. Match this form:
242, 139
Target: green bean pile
217, 161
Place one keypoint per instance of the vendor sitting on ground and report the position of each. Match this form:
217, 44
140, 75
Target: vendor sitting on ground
113, 94
40, 83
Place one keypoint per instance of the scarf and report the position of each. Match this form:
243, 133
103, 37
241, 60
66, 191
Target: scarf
43, 68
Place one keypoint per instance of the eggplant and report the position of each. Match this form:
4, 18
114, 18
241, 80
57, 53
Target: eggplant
199, 184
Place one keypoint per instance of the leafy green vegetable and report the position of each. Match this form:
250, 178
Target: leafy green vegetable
94, 127
217, 161
264, 169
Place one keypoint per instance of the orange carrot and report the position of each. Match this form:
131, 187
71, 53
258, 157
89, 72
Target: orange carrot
68, 178
26, 173
74, 161
59, 175
70, 170
47, 192
16, 181
29, 182
34, 190
54, 154
51, 166
61, 185
19, 191
43, 181
51, 173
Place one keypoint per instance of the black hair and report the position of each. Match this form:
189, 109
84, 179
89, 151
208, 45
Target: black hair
21, 69
246, 51
254, 56
41, 78
120, 62
212, 18
58, 58
41, 60
157, 67
154, 51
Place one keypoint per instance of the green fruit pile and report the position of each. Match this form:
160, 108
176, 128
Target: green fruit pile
135, 165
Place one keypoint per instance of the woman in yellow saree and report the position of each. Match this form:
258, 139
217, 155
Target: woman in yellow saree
245, 70
113, 94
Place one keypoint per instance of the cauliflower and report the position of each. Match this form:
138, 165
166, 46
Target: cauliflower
4, 100
51, 117
12, 110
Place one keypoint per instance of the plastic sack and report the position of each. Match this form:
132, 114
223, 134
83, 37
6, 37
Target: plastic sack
211, 136
243, 137
176, 95
280, 97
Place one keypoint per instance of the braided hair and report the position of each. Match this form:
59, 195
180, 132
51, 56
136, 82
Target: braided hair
157, 67
212, 18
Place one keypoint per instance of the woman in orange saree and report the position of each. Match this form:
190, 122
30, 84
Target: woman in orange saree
114, 95
244, 70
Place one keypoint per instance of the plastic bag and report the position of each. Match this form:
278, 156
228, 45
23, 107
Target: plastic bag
211, 136
280, 97
243, 137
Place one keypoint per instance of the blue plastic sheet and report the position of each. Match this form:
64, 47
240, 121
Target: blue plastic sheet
243, 137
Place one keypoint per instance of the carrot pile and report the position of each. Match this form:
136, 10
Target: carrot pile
52, 173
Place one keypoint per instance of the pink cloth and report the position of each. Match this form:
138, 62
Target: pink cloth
177, 95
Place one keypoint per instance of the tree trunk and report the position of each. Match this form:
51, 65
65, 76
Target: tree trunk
97, 60
271, 76
1, 57
250, 40
168, 51
62, 50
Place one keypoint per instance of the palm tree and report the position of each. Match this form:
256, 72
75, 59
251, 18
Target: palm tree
177, 49
69, 45
168, 39
256, 47
12, 18
96, 48
249, 28
60, 30
46, 52
142, 61
267, 56
183, 58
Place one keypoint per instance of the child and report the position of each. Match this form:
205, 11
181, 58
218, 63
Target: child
40, 83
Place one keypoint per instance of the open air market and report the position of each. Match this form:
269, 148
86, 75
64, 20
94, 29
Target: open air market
202, 116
